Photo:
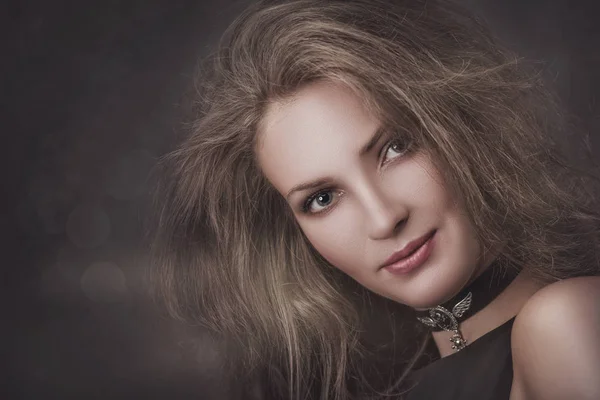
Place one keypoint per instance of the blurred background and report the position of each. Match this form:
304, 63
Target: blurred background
92, 92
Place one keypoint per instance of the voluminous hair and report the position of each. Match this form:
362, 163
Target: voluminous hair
227, 249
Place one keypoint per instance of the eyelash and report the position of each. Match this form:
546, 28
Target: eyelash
384, 149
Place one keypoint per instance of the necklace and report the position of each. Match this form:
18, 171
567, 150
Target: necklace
471, 299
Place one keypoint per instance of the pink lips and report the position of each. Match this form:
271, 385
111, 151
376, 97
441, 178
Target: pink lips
411, 256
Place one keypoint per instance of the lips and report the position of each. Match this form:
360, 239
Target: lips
409, 249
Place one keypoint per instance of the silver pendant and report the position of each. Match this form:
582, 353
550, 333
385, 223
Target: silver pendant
458, 341
440, 317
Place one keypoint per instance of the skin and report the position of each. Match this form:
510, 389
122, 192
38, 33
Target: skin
371, 206
555, 342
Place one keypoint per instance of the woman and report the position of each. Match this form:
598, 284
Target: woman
354, 156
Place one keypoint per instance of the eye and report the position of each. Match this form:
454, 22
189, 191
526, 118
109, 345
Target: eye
318, 201
394, 146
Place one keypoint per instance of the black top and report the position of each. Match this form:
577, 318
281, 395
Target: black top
480, 371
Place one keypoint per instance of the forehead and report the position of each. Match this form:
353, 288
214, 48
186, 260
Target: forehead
312, 134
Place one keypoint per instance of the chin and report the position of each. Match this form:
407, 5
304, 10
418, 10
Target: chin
433, 287
426, 302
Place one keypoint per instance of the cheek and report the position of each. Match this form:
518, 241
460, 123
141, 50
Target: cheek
341, 246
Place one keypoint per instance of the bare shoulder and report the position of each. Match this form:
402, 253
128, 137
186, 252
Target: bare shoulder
556, 342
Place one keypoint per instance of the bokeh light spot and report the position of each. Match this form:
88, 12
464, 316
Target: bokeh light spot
128, 177
88, 226
104, 282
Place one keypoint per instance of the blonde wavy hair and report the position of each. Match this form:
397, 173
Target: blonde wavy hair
226, 248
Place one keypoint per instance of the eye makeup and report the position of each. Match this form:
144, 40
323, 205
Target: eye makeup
306, 204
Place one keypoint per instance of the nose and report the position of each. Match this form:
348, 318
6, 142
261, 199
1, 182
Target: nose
385, 215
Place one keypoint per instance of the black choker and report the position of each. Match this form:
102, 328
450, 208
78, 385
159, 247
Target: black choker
471, 299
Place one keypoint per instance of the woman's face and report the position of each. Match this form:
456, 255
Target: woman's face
365, 205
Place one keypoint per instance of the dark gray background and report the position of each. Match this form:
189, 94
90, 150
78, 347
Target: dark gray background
91, 93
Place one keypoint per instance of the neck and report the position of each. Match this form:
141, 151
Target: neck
504, 307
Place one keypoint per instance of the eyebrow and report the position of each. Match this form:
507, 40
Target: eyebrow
373, 141
320, 182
